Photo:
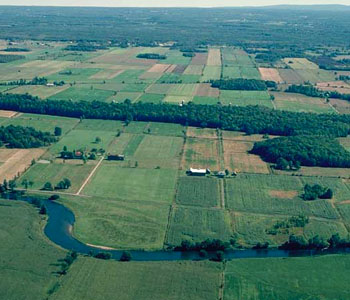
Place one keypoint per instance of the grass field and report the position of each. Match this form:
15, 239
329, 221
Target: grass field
288, 279
144, 185
166, 129
158, 151
198, 224
122, 224
205, 100
211, 73
83, 93
81, 139
42, 122
140, 280
244, 98
272, 194
151, 98
203, 192
27, 258
301, 103
255, 228
41, 91
74, 75
41, 173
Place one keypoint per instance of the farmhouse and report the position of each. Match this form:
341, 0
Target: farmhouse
198, 172
116, 157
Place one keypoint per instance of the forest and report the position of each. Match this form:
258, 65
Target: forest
186, 26
24, 137
310, 151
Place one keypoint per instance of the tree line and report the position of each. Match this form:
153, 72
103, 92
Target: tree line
6, 58
312, 91
151, 56
250, 119
243, 84
35, 81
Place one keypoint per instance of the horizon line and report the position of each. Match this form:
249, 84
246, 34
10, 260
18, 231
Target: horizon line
223, 6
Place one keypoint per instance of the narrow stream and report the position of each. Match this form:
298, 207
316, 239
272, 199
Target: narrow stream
61, 221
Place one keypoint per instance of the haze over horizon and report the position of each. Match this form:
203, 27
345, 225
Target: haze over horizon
168, 3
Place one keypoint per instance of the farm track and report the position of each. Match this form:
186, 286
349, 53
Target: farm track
222, 282
90, 175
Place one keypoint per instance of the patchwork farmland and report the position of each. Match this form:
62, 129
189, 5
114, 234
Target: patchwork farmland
137, 184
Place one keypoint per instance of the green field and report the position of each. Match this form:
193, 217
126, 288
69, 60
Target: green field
83, 140
205, 100
151, 98
84, 93
74, 75
41, 173
198, 224
42, 122
288, 279
140, 280
28, 261
122, 224
251, 229
211, 73
300, 103
166, 129
129, 76
271, 194
244, 98
176, 57
158, 151
145, 185
194, 191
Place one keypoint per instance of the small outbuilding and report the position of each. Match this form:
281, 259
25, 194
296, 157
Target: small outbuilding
198, 172
116, 157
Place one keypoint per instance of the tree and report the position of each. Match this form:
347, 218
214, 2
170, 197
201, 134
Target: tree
126, 256
48, 186
67, 183
58, 131
327, 195
12, 185
30, 183
98, 140
282, 164
42, 210
25, 183
5, 184
65, 149
227, 172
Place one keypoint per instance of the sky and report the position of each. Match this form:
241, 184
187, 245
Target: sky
167, 3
